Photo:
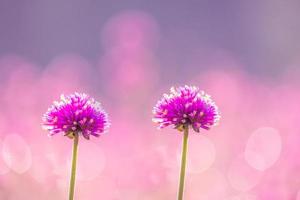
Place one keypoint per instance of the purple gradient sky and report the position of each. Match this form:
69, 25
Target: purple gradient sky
262, 34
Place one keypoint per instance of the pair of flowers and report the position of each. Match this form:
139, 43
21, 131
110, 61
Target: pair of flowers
80, 115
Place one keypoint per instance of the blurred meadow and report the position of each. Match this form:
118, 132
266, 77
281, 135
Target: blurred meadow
126, 54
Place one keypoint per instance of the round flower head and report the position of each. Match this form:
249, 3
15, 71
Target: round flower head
186, 106
76, 114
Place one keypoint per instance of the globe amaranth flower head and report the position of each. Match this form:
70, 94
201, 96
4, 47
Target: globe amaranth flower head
76, 114
186, 106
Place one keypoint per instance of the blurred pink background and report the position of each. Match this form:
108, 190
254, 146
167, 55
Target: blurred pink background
126, 54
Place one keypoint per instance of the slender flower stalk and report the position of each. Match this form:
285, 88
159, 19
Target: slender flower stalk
73, 171
183, 162
183, 108
74, 116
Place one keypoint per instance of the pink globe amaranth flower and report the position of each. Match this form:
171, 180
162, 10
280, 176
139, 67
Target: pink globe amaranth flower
186, 106
76, 114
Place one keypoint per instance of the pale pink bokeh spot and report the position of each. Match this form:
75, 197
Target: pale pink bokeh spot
263, 148
201, 156
16, 153
241, 176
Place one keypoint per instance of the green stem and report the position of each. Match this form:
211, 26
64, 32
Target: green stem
73, 173
183, 162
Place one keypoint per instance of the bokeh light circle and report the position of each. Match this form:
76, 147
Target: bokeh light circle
241, 176
263, 148
16, 153
201, 154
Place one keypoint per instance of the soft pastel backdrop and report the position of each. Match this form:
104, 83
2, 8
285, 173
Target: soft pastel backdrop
127, 54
